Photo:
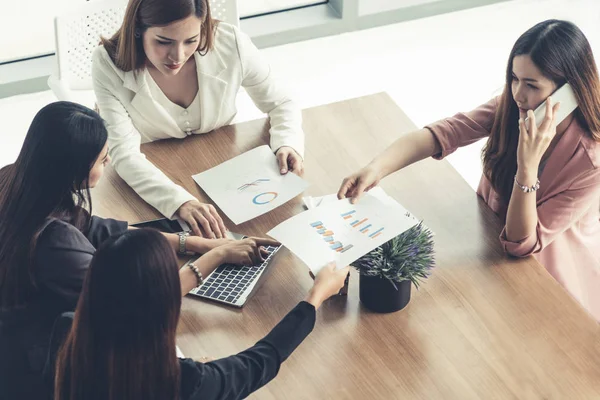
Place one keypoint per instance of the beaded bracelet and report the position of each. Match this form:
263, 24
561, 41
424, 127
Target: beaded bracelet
528, 189
199, 278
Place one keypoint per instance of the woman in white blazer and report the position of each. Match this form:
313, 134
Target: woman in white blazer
171, 71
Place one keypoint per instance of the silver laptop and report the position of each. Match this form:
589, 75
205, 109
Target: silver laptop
232, 284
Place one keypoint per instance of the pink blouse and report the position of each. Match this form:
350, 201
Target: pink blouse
567, 238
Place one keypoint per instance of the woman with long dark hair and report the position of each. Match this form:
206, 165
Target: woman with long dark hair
48, 237
122, 341
172, 71
543, 181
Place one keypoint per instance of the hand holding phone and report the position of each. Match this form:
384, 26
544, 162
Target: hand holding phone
535, 141
568, 103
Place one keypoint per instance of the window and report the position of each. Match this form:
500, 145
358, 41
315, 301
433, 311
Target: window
27, 27
252, 8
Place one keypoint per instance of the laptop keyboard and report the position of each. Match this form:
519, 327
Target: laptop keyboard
228, 283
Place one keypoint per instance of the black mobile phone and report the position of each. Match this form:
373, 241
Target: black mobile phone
164, 225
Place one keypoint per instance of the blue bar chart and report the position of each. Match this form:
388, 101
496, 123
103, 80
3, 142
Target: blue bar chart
362, 224
328, 237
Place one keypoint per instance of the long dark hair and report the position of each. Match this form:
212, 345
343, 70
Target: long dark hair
562, 53
49, 179
122, 342
125, 47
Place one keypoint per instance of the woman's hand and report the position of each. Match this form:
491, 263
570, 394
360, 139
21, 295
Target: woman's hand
202, 245
248, 251
203, 219
328, 282
289, 160
533, 143
354, 185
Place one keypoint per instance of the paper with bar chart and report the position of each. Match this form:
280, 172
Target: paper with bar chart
317, 201
249, 185
342, 232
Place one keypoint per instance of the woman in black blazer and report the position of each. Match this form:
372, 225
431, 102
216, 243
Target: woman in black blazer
48, 237
122, 341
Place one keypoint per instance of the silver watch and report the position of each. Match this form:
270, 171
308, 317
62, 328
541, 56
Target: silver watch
182, 239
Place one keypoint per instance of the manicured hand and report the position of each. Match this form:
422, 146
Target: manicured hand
248, 251
203, 219
534, 141
289, 160
356, 184
328, 282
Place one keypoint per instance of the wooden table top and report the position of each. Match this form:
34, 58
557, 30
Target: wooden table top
483, 326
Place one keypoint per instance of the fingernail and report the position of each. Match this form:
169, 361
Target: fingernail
283, 171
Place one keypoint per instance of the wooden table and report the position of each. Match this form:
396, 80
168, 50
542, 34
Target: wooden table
482, 327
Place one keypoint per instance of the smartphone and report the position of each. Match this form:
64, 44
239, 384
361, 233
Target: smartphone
568, 104
164, 225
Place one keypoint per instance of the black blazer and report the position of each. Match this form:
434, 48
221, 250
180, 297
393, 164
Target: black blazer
229, 378
62, 258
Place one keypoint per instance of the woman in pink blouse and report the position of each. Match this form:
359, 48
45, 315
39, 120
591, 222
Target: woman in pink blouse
559, 223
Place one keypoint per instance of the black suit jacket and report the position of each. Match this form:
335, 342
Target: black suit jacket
229, 378
62, 258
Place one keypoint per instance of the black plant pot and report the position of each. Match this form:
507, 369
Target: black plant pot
379, 294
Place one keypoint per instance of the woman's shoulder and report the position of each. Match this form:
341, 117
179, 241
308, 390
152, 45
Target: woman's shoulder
192, 374
57, 233
100, 56
229, 38
103, 63
225, 32
590, 145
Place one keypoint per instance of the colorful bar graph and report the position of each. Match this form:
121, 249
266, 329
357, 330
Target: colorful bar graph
335, 245
373, 237
360, 223
376, 233
328, 235
354, 222
346, 248
365, 229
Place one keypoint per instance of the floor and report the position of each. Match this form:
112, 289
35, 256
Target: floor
431, 67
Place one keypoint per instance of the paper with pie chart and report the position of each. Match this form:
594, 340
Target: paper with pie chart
249, 185
342, 232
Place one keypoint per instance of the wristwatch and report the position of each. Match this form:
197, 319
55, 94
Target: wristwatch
182, 248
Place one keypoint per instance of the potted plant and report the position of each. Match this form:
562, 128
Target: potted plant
388, 272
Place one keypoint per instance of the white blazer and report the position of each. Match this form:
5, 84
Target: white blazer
134, 117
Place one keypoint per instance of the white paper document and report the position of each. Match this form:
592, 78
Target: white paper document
378, 192
249, 185
342, 232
